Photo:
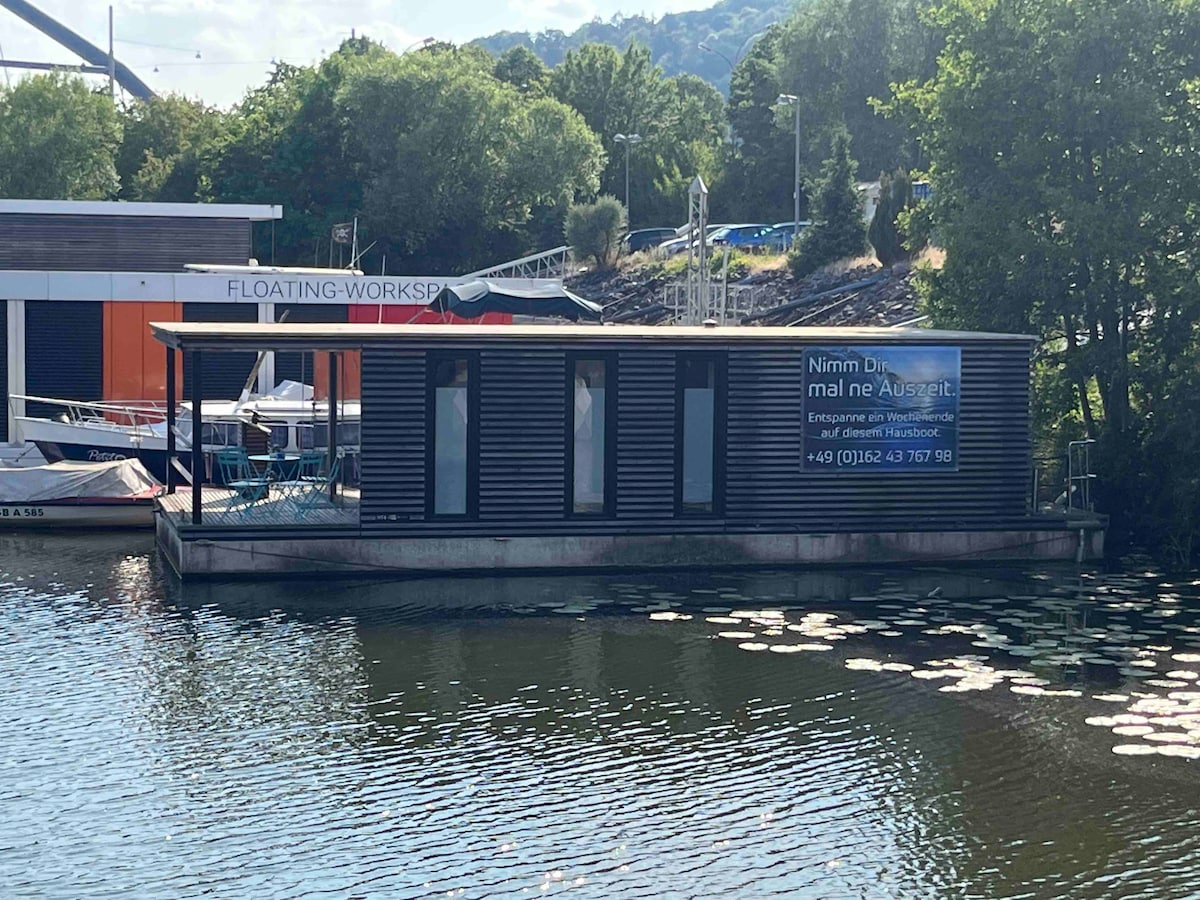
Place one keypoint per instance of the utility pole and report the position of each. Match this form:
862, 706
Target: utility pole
112, 60
697, 270
794, 101
628, 140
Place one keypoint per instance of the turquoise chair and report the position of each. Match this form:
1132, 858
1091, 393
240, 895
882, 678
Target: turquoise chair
317, 487
249, 487
302, 474
310, 465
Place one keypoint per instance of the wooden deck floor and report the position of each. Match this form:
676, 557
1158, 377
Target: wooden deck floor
274, 510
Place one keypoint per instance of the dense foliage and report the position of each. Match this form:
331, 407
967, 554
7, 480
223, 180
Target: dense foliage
57, 140
727, 28
680, 122
1062, 139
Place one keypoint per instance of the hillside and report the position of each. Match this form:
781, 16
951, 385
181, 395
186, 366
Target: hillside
672, 40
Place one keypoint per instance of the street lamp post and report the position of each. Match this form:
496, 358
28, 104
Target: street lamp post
794, 101
628, 140
737, 58
707, 49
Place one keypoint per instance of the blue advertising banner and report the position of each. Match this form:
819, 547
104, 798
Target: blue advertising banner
881, 409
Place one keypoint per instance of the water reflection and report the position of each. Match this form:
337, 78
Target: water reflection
655, 735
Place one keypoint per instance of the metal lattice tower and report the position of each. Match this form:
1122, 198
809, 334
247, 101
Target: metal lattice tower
697, 263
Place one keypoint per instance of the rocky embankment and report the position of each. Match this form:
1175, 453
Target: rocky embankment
866, 295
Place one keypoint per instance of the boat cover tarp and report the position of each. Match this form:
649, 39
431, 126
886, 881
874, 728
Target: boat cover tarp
75, 480
475, 299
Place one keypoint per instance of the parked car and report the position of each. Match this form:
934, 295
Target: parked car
645, 238
787, 227
680, 244
751, 237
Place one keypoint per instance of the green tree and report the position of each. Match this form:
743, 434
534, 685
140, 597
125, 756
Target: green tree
839, 55
885, 233
616, 93
1065, 195
837, 231
594, 230
520, 67
162, 141
680, 120
58, 140
759, 171
286, 143
458, 169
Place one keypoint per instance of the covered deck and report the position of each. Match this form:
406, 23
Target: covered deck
243, 491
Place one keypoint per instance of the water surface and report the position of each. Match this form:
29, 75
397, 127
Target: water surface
914, 733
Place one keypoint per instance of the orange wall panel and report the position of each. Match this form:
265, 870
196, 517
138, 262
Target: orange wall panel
135, 365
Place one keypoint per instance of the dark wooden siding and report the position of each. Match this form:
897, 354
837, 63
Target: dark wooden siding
522, 446
119, 243
225, 373
4, 369
767, 488
522, 436
393, 440
64, 351
645, 434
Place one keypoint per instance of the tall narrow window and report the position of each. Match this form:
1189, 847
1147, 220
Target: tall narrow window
589, 425
697, 433
451, 420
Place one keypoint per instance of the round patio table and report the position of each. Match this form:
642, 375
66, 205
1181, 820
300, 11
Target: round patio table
279, 466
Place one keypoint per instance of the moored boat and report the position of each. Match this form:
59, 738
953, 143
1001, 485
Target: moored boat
288, 419
116, 494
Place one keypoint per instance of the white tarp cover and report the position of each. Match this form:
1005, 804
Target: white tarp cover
74, 480
291, 390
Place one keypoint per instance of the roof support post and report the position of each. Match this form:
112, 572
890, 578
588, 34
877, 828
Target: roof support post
197, 436
171, 420
333, 420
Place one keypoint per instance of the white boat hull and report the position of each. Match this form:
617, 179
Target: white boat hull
134, 513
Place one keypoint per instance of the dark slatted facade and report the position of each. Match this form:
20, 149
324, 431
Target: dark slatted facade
225, 374
523, 448
297, 366
64, 346
393, 448
645, 435
90, 243
4, 368
522, 471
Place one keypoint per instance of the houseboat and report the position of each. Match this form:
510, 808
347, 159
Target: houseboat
535, 447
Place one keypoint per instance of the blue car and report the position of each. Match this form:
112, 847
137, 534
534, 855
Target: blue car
751, 237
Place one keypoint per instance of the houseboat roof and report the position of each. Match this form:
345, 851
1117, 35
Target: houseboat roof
255, 212
341, 336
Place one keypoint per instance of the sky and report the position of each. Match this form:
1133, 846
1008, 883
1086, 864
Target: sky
237, 39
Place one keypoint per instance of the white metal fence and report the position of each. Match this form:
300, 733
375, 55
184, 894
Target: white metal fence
726, 303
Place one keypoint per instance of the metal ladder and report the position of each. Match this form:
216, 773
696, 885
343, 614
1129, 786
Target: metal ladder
1080, 476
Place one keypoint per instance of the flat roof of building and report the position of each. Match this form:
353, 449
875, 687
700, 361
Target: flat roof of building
340, 336
256, 212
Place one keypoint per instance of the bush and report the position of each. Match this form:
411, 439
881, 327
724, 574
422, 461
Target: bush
739, 264
837, 231
594, 230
